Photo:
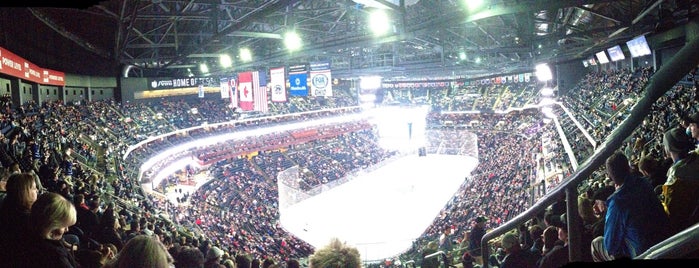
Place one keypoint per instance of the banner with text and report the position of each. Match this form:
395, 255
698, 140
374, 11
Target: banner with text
13, 65
320, 79
276, 84
170, 83
298, 80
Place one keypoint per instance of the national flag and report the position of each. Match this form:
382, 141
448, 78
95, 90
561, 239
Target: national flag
276, 84
233, 93
259, 87
245, 91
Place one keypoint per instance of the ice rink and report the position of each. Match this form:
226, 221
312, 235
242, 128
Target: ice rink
383, 211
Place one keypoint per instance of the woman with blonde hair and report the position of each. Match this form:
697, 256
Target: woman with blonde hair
50, 218
142, 251
21, 193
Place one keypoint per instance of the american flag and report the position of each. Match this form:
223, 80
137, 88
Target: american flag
259, 88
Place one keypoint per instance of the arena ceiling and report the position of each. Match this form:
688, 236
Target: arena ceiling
429, 38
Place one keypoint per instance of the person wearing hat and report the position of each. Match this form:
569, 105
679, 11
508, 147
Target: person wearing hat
680, 192
213, 258
515, 256
477, 233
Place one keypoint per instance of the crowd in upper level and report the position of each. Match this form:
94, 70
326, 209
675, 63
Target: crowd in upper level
75, 151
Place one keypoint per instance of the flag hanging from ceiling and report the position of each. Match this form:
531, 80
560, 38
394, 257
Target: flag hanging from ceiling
276, 84
245, 91
233, 93
259, 88
225, 89
298, 84
320, 79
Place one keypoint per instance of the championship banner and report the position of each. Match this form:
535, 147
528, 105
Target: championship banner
320, 79
259, 88
245, 91
200, 88
527, 77
521, 77
276, 84
225, 89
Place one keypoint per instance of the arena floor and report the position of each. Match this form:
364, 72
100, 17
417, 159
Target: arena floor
381, 212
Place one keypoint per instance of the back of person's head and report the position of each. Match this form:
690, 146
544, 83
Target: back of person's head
336, 255
142, 251
21, 191
648, 165
535, 231
509, 242
550, 236
267, 263
293, 263
51, 215
676, 141
189, 257
78, 199
618, 167
242, 261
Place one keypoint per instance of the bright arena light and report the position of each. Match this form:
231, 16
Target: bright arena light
292, 40
378, 22
370, 82
245, 54
547, 92
543, 72
473, 4
401, 128
203, 68
225, 61
548, 112
546, 102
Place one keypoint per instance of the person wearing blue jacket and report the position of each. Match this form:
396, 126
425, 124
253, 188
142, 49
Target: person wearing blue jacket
635, 218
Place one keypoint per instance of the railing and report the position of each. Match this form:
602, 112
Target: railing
667, 76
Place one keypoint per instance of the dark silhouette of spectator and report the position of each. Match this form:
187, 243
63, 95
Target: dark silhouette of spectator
243, 261
189, 257
558, 256
537, 233
430, 249
681, 190
108, 231
213, 258
477, 233
515, 255
14, 214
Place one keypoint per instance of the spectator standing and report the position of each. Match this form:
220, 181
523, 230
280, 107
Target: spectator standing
477, 234
681, 190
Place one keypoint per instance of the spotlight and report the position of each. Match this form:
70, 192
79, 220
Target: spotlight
225, 61
203, 68
292, 40
245, 54
543, 72
378, 22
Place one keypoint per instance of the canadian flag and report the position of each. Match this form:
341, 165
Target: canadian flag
245, 91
